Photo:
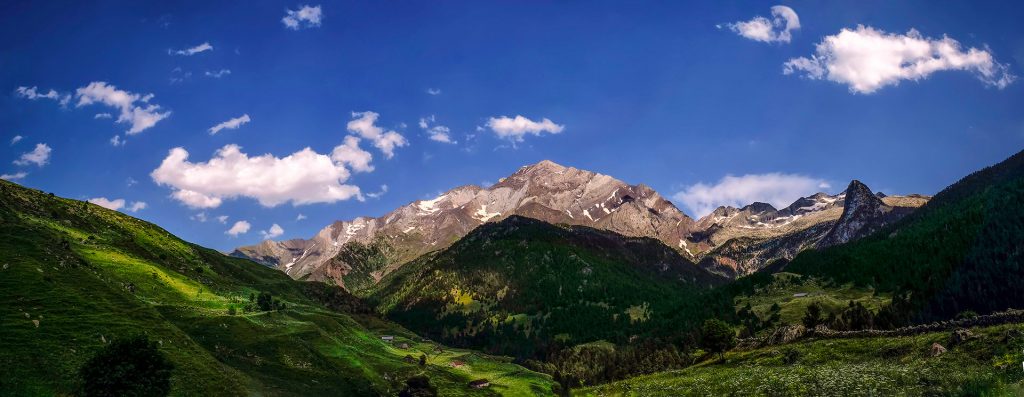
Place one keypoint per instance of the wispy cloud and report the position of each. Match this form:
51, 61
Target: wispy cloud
516, 128
218, 73
378, 194
434, 91
778, 29
16, 139
38, 156
32, 93
231, 124
364, 125
305, 17
192, 51
135, 109
438, 133
14, 177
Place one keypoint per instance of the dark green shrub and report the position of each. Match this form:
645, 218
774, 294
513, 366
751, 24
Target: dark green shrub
127, 367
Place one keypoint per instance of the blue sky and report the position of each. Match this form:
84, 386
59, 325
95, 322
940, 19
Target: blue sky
671, 94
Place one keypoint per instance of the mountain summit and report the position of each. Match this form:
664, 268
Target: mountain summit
729, 241
546, 191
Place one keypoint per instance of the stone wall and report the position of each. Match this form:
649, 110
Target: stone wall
790, 333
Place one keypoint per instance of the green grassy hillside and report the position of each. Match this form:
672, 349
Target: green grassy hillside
783, 289
960, 252
989, 365
520, 286
74, 276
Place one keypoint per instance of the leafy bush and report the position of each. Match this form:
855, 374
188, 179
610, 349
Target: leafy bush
127, 367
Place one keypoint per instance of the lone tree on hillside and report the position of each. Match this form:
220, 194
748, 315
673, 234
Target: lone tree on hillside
717, 336
265, 301
127, 367
813, 316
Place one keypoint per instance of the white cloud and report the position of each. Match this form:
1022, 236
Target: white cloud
867, 59
38, 156
515, 128
304, 17
103, 116
300, 217
222, 219
778, 29
383, 189
195, 199
240, 227
135, 109
16, 139
437, 133
304, 177
117, 141
274, 231
364, 124
218, 73
201, 217
350, 154
14, 177
777, 189
434, 91
192, 51
230, 124
115, 204
33, 93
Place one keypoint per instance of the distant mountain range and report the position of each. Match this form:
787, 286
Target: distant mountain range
729, 241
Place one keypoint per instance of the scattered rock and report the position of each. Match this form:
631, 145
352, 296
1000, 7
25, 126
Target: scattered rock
937, 349
787, 334
36, 322
960, 335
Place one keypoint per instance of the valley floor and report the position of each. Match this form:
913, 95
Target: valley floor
988, 365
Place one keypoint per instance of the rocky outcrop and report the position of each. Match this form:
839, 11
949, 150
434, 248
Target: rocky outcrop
546, 191
736, 242
786, 334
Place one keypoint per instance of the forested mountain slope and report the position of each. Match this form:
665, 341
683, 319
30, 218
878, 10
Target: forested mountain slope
521, 285
962, 251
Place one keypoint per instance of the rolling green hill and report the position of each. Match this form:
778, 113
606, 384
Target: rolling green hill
960, 252
522, 286
74, 276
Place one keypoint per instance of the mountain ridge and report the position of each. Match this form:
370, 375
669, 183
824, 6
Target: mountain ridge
559, 194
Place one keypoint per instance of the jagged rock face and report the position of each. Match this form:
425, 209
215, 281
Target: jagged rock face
863, 214
736, 242
730, 241
544, 191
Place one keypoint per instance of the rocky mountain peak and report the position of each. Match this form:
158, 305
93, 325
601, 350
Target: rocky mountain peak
546, 191
758, 207
863, 213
